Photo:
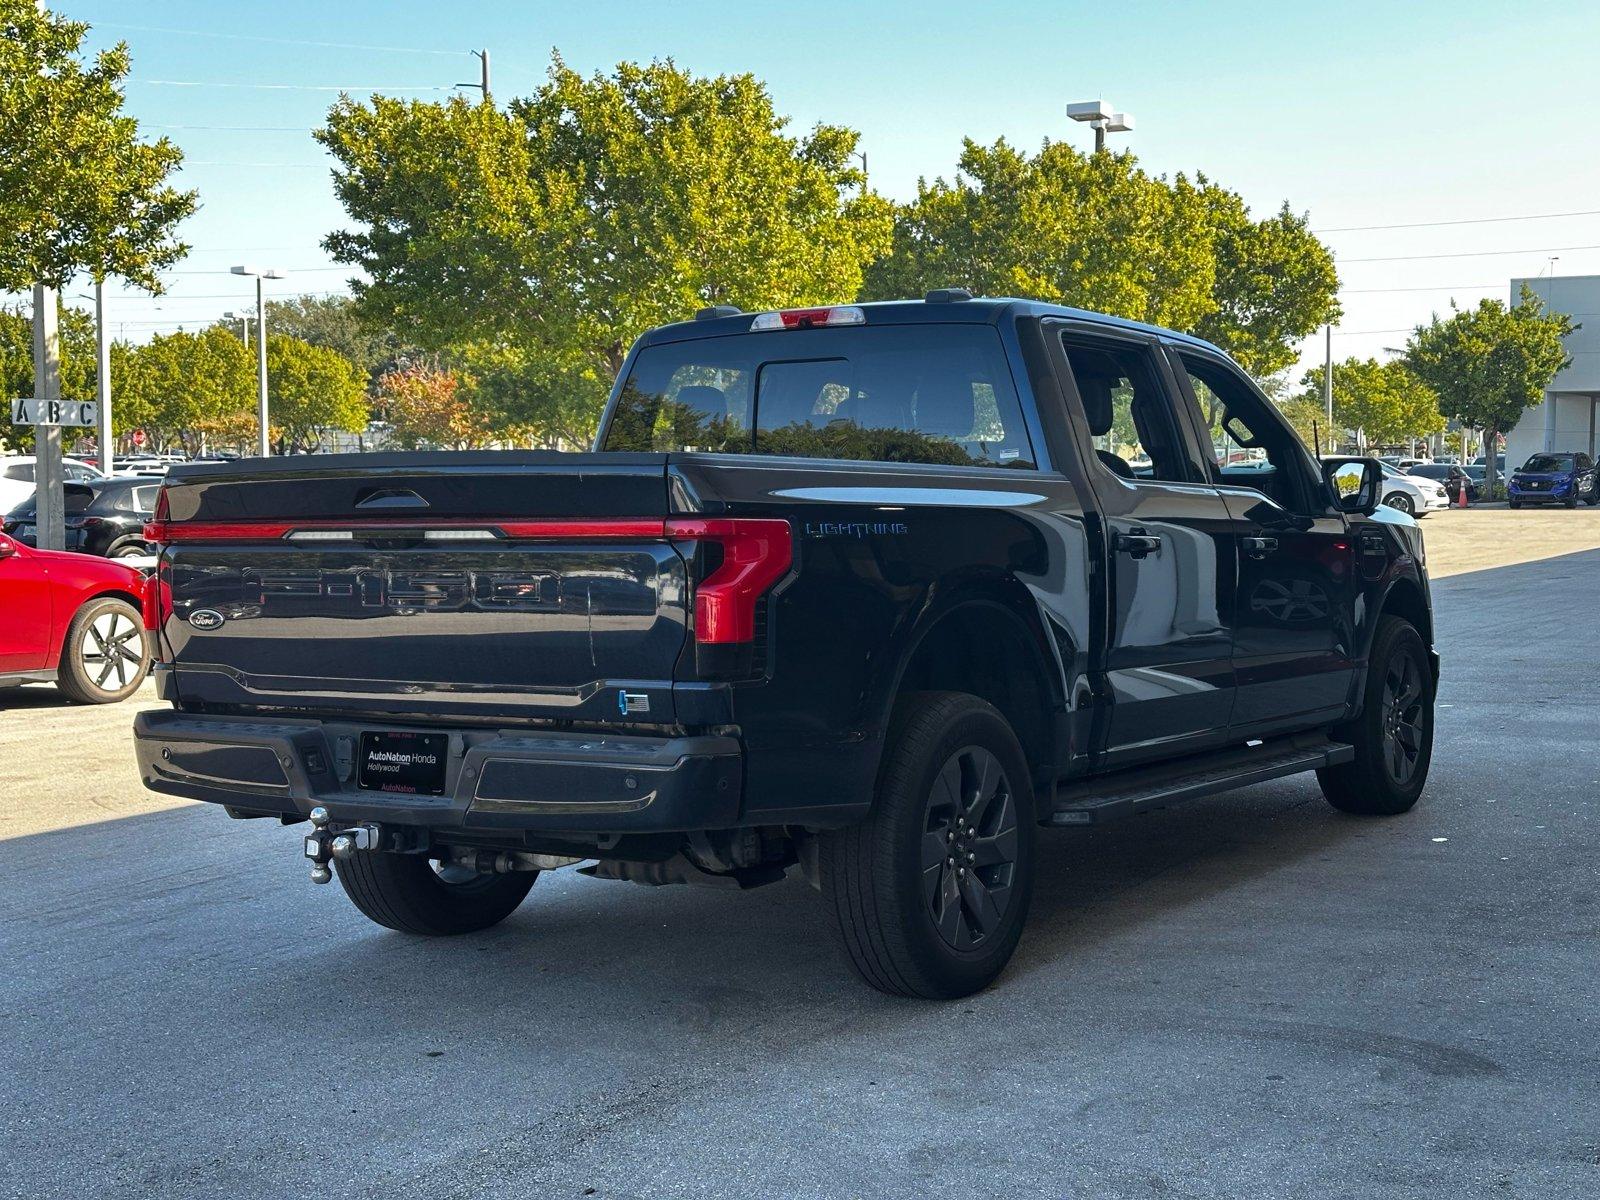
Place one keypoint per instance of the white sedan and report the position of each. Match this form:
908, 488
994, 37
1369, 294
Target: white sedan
1412, 494
16, 478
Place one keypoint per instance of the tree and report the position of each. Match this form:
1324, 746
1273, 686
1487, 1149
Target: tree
310, 388
16, 360
427, 405
1383, 402
1490, 364
1097, 232
334, 322
79, 191
185, 386
545, 237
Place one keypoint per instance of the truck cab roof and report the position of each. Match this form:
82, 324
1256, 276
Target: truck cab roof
983, 310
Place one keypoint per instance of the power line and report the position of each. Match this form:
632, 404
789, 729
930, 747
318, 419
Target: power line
1443, 287
218, 162
240, 128
299, 87
250, 37
290, 270
1461, 221
1467, 254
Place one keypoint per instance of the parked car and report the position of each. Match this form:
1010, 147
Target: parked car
1561, 478
1500, 464
16, 477
1474, 472
105, 517
863, 592
1413, 494
71, 620
1450, 476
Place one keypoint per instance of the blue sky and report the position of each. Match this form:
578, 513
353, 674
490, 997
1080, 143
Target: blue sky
1360, 113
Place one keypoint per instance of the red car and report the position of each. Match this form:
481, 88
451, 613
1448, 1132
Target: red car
73, 620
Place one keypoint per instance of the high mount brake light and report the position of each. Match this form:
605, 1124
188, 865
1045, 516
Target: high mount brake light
809, 318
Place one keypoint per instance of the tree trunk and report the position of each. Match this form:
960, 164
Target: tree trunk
1491, 457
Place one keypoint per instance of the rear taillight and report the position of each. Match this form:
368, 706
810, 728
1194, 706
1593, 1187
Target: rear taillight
809, 318
155, 602
155, 530
756, 554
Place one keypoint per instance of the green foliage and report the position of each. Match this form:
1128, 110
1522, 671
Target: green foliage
78, 190
1490, 364
310, 388
1384, 402
1309, 420
1096, 232
16, 360
334, 322
535, 243
182, 386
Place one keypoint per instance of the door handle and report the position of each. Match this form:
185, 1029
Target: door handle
1137, 544
1259, 547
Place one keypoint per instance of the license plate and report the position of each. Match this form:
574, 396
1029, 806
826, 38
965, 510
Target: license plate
412, 763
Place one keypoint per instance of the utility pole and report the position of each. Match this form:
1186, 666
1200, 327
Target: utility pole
102, 382
1327, 384
483, 80
48, 478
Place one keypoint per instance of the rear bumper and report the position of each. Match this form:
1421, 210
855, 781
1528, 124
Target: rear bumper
496, 781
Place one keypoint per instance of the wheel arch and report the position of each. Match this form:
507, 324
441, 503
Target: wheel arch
1405, 599
985, 644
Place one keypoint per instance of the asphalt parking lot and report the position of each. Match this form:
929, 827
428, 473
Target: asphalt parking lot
1250, 995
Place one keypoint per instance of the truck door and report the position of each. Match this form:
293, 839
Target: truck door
1167, 641
1294, 624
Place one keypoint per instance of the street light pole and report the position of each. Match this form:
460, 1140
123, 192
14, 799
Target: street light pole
263, 443
1327, 383
1101, 118
102, 382
48, 478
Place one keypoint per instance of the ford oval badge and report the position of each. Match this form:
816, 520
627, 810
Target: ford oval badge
206, 618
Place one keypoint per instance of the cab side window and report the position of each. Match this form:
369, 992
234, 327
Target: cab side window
1128, 413
1252, 446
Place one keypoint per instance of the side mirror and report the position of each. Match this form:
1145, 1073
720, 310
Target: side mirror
1356, 483
7, 546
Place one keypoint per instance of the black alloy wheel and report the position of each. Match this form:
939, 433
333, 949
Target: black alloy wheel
1405, 716
969, 848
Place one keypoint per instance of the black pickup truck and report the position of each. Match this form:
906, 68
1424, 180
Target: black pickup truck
866, 592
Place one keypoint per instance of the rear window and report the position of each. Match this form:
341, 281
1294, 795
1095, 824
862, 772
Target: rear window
20, 471
898, 393
1549, 462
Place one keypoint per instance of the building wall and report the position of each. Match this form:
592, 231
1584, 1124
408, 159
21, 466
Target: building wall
1570, 415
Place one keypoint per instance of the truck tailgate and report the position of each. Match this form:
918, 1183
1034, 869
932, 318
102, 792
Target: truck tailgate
493, 585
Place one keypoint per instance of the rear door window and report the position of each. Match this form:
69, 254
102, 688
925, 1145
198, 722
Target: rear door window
899, 393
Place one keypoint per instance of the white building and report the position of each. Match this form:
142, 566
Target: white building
1568, 417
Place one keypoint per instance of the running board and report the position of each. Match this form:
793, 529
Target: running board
1141, 789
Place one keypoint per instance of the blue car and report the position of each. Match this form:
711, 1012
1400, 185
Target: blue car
1563, 478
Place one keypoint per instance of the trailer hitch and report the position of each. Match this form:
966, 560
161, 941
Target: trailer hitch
323, 845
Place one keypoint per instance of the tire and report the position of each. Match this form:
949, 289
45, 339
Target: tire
1571, 502
106, 654
127, 550
1513, 504
911, 920
1390, 768
404, 892
1400, 502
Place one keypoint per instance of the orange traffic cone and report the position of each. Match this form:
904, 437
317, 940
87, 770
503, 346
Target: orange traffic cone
1461, 494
